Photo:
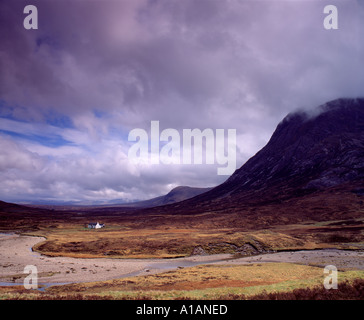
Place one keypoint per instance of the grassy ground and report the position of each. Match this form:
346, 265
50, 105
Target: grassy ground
115, 242
136, 241
201, 282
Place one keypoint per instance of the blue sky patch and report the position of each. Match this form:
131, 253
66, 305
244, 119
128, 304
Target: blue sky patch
53, 141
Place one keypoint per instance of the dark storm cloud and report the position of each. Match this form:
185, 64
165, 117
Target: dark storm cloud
161, 55
105, 67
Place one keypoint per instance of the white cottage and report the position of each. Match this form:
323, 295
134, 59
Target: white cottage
96, 225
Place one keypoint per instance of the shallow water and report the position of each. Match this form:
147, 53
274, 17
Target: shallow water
180, 264
3, 235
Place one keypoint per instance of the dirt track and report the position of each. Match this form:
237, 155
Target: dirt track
16, 253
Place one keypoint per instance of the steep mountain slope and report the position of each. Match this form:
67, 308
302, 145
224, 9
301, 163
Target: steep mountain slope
306, 153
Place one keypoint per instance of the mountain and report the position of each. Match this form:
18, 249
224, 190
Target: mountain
308, 151
175, 195
181, 193
316, 154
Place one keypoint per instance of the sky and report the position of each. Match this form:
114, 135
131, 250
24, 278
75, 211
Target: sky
73, 89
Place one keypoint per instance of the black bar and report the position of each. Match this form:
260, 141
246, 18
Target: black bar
183, 309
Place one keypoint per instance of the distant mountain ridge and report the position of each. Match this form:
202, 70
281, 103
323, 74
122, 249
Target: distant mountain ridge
175, 195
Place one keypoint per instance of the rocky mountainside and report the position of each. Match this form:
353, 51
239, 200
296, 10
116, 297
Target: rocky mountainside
310, 152
307, 152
